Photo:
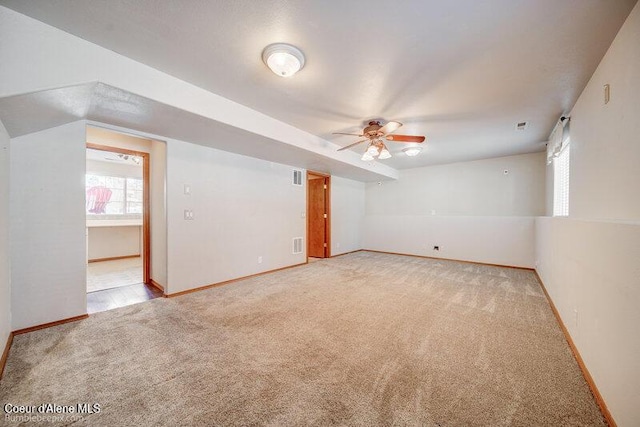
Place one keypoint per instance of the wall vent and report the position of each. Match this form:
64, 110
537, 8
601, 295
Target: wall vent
297, 245
521, 125
297, 177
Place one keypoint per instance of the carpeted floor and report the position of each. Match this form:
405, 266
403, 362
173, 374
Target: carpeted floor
361, 339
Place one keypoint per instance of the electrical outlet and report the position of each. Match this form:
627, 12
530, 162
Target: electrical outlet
436, 248
260, 260
338, 245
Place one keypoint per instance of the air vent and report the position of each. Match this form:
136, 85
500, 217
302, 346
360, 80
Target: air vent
521, 125
297, 245
297, 177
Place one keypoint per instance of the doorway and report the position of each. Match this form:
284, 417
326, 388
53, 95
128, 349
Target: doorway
118, 227
318, 215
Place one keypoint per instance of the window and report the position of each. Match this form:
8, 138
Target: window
133, 196
113, 195
561, 182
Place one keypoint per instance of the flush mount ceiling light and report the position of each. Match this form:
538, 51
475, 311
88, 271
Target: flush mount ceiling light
283, 59
412, 151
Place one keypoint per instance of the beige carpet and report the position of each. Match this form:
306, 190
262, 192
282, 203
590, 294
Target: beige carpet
362, 339
103, 275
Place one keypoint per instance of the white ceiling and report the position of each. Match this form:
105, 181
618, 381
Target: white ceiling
102, 103
110, 157
460, 72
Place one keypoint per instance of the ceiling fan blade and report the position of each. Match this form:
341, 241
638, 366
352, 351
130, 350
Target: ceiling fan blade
389, 127
405, 138
355, 143
342, 133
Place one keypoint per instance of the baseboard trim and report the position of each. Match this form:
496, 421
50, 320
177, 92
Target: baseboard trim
50, 324
347, 253
227, 282
5, 353
156, 285
113, 258
576, 354
449, 259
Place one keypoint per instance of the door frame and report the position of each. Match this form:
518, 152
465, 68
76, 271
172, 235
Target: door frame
327, 206
146, 204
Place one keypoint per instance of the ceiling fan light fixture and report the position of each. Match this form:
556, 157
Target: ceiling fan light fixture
412, 151
373, 150
384, 153
283, 59
366, 157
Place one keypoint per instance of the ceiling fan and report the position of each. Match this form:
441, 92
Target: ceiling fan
374, 133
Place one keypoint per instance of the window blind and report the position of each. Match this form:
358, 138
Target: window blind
561, 182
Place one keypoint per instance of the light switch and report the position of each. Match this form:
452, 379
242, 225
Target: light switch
187, 189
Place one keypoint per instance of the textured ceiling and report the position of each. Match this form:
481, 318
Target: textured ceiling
463, 73
101, 103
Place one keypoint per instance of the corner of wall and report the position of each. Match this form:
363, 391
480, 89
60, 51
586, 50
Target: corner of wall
5, 264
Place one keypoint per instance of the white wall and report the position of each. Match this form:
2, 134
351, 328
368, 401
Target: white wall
244, 208
472, 210
48, 270
477, 188
107, 137
605, 139
347, 215
592, 273
158, 179
109, 242
114, 169
487, 239
590, 262
5, 266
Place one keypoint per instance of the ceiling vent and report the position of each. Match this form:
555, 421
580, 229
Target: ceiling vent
522, 125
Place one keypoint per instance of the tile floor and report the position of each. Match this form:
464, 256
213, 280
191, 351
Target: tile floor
112, 274
117, 283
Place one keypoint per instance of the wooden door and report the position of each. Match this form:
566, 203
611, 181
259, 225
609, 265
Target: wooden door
316, 211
